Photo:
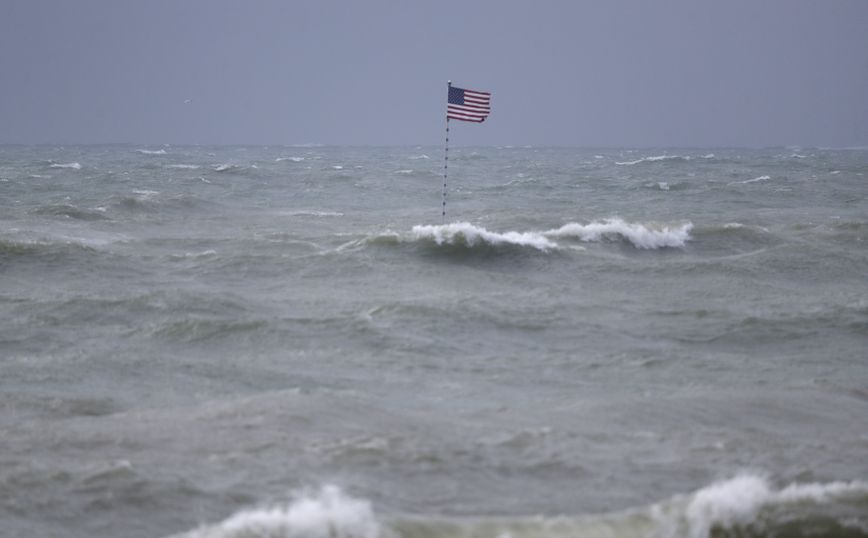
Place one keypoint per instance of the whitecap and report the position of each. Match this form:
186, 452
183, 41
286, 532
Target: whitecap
415, 157
183, 166
404, 172
754, 180
312, 213
644, 236
737, 501
323, 514
152, 151
654, 159
464, 233
293, 159
73, 166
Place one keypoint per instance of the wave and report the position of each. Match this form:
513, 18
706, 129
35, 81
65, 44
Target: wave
46, 250
71, 166
655, 159
69, 211
151, 151
644, 236
415, 173
464, 235
754, 180
228, 167
468, 235
184, 166
745, 506
293, 159
312, 213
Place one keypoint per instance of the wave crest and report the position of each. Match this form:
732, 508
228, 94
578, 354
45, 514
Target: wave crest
328, 513
71, 166
746, 506
466, 234
655, 159
650, 236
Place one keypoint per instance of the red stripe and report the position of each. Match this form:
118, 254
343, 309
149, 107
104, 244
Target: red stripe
466, 113
465, 116
471, 108
487, 94
465, 119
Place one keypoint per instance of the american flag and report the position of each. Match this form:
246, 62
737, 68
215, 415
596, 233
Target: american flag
468, 105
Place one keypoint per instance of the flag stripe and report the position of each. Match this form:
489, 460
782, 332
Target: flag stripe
471, 108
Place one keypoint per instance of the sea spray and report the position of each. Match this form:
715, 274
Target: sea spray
327, 513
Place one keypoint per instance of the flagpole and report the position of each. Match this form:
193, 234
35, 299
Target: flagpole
446, 155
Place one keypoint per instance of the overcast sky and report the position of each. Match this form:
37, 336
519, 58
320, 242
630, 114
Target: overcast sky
372, 72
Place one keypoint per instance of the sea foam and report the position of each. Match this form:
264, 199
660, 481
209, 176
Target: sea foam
73, 166
738, 501
644, 236
464, 233
328, 513
655, 159
746, 505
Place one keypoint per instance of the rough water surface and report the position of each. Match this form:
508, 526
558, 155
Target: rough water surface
212, 342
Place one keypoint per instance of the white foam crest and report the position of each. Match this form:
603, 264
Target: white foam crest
640, 235
184, 166
328, 513
312, 213
152, 151
756, 179
225, 167
416, 157
466, 233
654, 159
293, 159
73, 166
737, 501
405, 172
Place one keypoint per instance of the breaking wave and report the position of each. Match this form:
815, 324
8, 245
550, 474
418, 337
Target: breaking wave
466, 234
69, 211
642, 236
183, 166
71, 166
293, 159
151, 151
655, 159
745, 506
328, 513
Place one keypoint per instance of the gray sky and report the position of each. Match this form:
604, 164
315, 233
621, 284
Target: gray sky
370, 72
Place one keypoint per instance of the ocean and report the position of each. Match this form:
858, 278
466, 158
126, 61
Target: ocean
237, 342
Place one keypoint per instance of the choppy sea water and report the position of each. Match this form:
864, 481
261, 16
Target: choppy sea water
227, 342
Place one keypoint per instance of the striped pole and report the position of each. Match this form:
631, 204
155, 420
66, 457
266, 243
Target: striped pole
446, 155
